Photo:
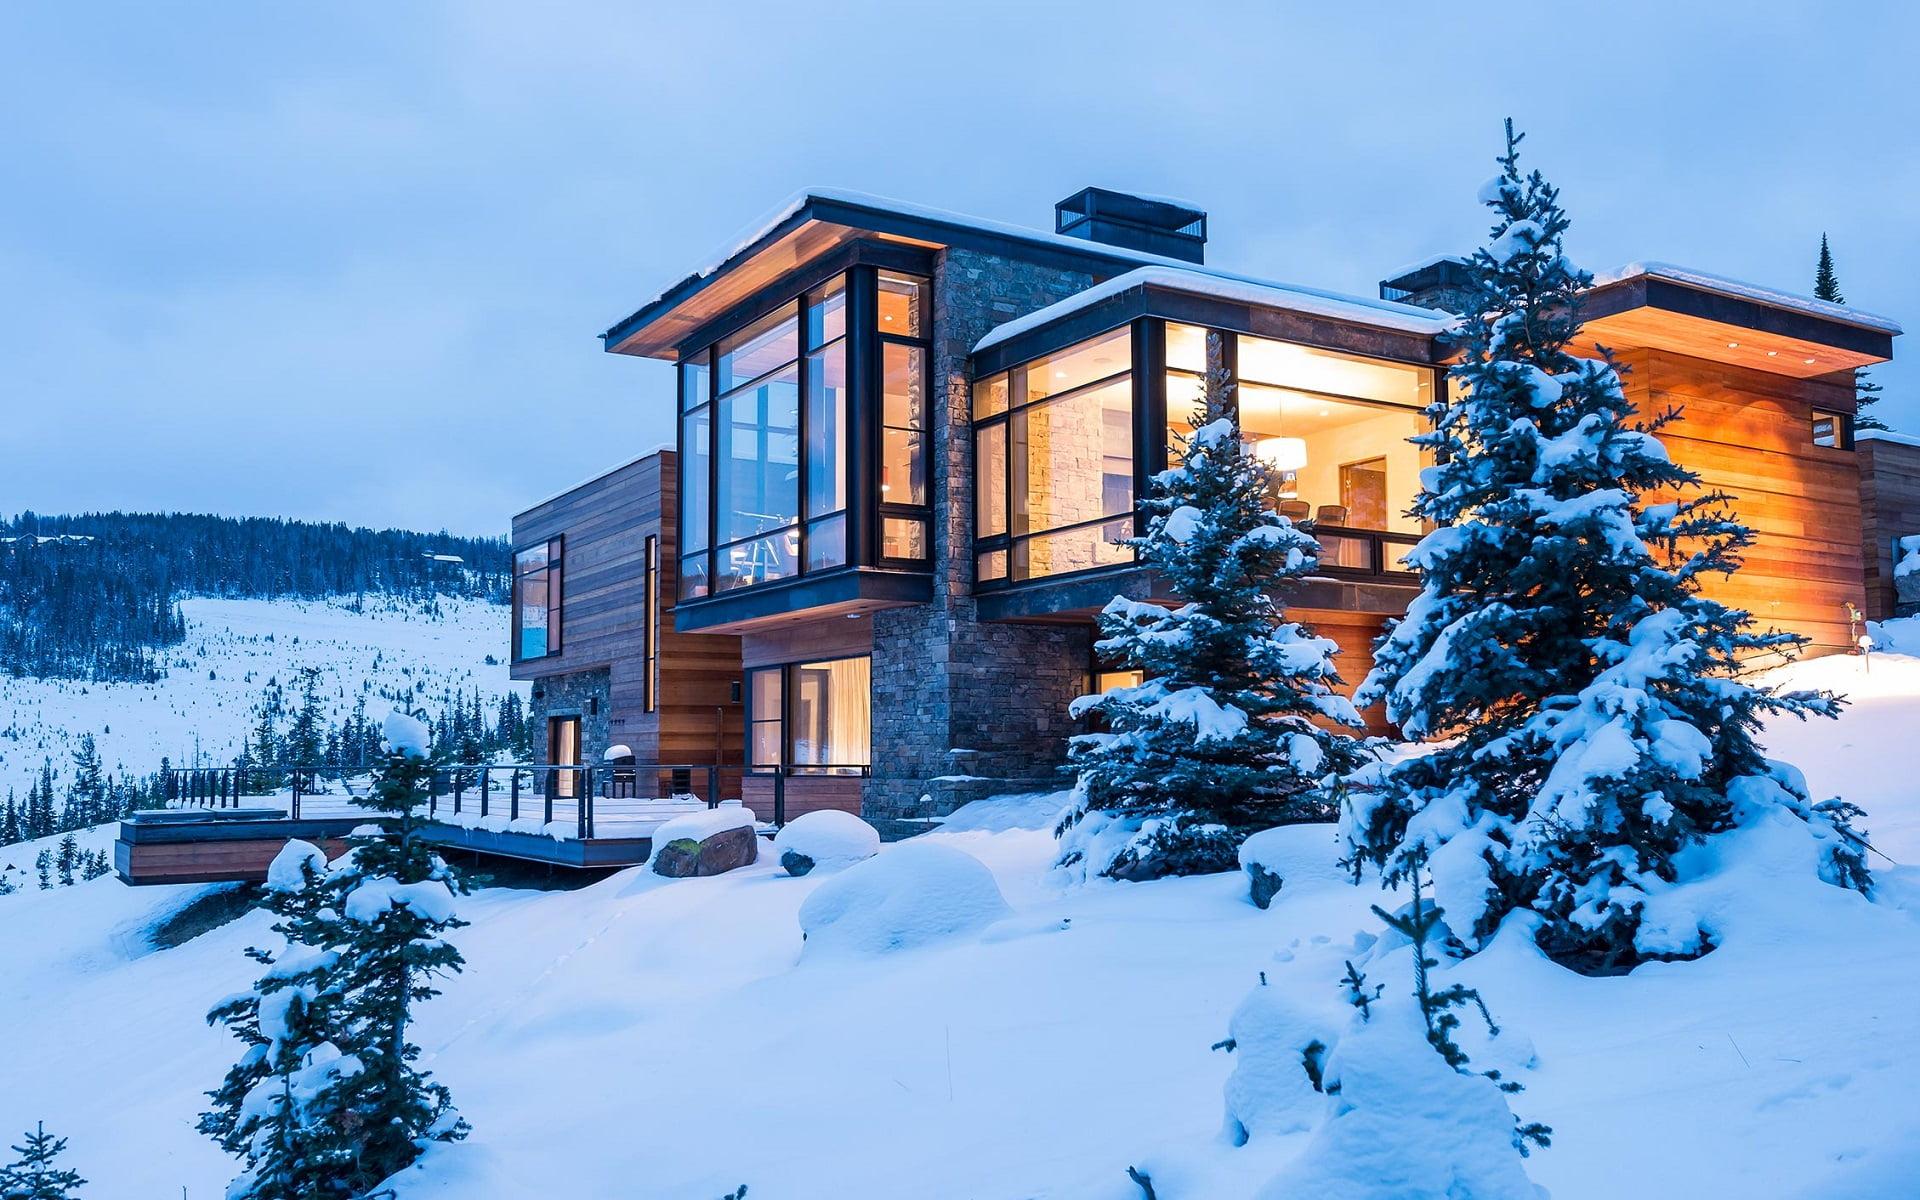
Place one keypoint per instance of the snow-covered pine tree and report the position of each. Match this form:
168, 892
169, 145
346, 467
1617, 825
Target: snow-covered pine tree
1232, 730
1826, 286
306, 737
34, 1175
1599, 727
10, 830
396, 900
67, 860
85, 792
277, 1110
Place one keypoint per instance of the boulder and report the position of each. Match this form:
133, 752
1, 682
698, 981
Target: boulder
827, 839
705, 843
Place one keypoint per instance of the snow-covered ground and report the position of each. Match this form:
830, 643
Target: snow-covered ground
202, 709
645, 1037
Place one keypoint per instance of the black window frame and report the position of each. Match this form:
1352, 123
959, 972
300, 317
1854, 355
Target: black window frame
650, 627
786, 674
1842, 429
555, 570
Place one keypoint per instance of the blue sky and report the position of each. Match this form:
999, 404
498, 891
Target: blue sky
348, 261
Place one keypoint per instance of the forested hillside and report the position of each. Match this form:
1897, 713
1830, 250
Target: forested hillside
96, 596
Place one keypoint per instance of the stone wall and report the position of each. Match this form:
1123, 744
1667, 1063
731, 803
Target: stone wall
583, 694
963, 709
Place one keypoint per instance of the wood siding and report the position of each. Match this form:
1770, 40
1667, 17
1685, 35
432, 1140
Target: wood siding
226, 861
1750, 434
1890, 500
605, 524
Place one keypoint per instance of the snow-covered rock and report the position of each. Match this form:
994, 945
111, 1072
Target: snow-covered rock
911, 894
708, 842
828, 839
406, 735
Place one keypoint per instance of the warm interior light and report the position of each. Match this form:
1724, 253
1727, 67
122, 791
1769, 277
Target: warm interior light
1283, 453
1733, 345
1773, 353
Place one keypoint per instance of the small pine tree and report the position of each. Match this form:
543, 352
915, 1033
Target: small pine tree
88, 788
43, 867
1561, 633
34, 1175
10, 830
67, 860
1826, 284
306, 744
95, 865
1228, 733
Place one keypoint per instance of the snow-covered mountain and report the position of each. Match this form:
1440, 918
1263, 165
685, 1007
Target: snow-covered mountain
234, 649
676, 1039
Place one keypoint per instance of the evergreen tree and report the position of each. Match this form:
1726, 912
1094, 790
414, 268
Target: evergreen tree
1599, 726
10, 828
43, 867
39, 816
67, 860
306, 737
34, 1175
1826, 286
87, 790
1224, 736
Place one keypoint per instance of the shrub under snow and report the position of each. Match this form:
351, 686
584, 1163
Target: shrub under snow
829, 838
914, 893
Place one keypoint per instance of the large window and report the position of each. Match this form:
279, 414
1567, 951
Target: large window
811, 718
1053, 444
767, 439
536, 600
1057, 468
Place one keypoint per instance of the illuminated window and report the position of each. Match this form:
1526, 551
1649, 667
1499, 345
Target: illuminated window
536, 600
1832, 429
811, 718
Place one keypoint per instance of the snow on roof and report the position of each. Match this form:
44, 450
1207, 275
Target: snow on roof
1708, 282
445, 558
1381, 313
1429, 261
596, 478
800, 199
1886, 435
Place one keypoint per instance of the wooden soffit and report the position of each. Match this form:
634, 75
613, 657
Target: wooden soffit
1657, 314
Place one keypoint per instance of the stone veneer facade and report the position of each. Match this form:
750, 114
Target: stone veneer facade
964, 709
583, 694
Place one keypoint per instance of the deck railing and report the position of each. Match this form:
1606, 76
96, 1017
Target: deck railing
585, 797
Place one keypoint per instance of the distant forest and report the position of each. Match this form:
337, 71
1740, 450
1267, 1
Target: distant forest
96, 596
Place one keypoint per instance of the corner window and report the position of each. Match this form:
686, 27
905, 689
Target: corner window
1833, 430
536, 600
811, 718
903, 327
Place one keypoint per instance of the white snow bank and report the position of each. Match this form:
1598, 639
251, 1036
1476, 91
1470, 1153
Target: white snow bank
405, 735
1302, 855
828, 839
699, 826
912, 894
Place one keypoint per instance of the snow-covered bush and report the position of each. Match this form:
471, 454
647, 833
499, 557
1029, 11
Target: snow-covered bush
1231, 730
1287, 852
827, 839
911, 894
1561, 633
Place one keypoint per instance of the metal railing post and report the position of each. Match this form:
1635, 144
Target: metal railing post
546, 792
581, 805
513, 795
713, 787
779, 797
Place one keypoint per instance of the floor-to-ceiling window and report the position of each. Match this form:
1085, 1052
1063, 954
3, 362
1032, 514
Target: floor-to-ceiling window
536, 600
768, 442
1053, 444
811, 718
1055, 460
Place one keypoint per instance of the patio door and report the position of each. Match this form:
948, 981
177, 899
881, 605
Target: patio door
563, 750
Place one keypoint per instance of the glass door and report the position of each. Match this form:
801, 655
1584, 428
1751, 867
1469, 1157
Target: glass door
563, 750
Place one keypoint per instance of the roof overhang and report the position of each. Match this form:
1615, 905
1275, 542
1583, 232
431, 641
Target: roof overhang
1690, 315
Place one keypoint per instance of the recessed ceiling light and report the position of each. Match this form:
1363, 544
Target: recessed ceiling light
1773, 353
1733, 345
1809, 362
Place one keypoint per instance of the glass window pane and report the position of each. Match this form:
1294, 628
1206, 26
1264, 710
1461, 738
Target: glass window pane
1185, 396
759, 444
903, 305
693, 576
1072, 550
770, 342
904, 414
990, 566
553, 604
1186, 347
990, 397
827, 543
826, 430
764, 684
534, 558
758, 560
827, 313
903, 538
694, 377
530, 597
1334, 460
1285, 364
832, 714
1073, 458
990, 480
696, 439
1097, 358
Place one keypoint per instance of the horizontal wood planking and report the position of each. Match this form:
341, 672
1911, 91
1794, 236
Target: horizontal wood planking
1749, 433
1890, 499
204, 862
804, 794
606, 523
834, 638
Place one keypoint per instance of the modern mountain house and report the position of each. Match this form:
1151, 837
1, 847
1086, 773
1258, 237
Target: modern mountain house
909, 441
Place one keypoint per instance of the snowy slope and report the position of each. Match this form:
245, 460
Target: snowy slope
200, 711
669, 1039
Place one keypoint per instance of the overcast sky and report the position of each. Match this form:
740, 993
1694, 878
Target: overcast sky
348, 261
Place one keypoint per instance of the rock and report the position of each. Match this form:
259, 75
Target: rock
795, 863
1262, 885
827, 839
684, 858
